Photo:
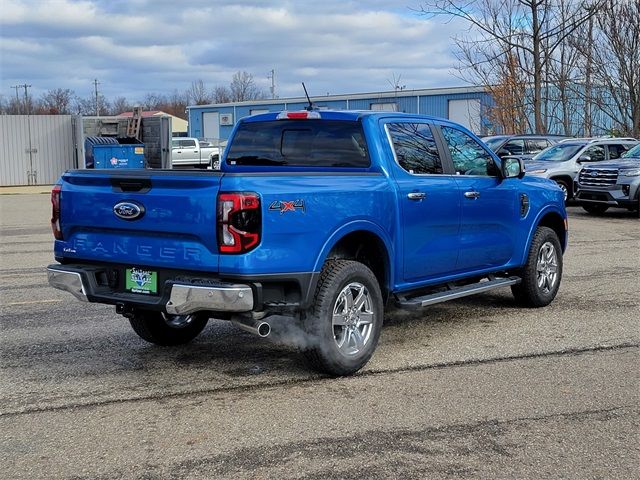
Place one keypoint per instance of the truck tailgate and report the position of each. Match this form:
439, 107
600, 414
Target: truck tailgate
175, 228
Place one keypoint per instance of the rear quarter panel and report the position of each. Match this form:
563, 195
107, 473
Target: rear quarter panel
304, 214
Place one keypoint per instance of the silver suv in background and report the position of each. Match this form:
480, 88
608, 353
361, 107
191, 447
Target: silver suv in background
611, 184
563, 161
521, 146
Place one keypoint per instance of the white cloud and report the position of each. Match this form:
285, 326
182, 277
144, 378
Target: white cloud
139, 46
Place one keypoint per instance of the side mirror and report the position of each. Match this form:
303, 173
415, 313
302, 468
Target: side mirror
503, 152
584, 158
513, 168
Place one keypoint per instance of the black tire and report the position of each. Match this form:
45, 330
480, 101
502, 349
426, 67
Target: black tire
537, 289
167, 330
566, 188
343, 349
594, 208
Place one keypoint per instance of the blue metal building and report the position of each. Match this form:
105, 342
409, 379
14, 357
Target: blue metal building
465, 105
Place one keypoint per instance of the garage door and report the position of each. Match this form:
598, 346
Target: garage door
466, 112
211, 125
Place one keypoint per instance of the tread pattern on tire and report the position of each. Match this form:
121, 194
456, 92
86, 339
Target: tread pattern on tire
317, 358
526, 292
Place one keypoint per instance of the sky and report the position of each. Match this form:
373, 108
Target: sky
134, 47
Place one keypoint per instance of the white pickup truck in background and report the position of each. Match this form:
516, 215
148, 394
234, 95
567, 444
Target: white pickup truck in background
191, 152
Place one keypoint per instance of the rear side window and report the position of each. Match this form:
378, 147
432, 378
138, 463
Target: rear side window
616, 151
535, 145
415, 148
305, 143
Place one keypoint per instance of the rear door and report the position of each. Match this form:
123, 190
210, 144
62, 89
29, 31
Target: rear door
428, 199
489, 206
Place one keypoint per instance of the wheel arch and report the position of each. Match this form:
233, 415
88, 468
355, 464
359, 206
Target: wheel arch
553, 220
567, 179
365, 242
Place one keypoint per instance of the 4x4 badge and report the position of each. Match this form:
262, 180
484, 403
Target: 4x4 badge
287, 206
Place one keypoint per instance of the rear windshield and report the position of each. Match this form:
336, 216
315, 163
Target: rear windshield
306, 143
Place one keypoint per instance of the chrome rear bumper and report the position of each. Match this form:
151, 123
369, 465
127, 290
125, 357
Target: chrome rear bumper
68, 281
183, 298
225, 298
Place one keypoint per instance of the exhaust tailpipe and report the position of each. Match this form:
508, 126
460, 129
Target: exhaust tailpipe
252, 325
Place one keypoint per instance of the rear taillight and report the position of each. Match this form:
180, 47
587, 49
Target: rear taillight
55, 212
239, 222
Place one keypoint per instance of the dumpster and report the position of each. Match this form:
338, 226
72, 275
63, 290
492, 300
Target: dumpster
110, 152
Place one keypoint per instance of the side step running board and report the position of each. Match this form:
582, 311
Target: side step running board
452, 293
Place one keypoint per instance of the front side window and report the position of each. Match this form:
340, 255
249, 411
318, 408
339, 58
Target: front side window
595, 153
469, 157
514, 147
415, 148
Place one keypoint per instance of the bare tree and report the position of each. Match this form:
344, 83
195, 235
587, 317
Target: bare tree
617, 58
243, 88
57, 101
529, 30
87, 106
198, 93
121, 105
221, 94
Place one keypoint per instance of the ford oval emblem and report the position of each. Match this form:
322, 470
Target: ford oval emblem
594, 174
128, 210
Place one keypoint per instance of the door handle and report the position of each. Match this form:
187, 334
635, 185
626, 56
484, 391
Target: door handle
416, 196
472, 194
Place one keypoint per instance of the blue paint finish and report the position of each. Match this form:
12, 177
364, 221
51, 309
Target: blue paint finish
443, 238
178, 228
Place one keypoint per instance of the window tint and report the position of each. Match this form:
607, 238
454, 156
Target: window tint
415, 147
616, 151
514, 147
535, 145
596, 153
469, 157
307, 143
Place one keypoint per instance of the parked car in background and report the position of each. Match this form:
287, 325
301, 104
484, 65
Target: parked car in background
611, 184
191, 152
563, 161
521, 146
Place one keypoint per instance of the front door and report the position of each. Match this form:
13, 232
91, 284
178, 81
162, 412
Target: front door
428, 200
490, 206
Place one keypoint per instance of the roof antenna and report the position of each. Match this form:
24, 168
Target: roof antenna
310, 106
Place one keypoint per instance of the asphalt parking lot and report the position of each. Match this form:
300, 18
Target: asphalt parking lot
475, 388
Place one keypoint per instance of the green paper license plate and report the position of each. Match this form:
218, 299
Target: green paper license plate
141, 281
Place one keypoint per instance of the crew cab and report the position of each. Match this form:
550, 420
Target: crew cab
191, 152
326, 217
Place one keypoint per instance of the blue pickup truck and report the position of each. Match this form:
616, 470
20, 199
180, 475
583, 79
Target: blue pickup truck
326, 217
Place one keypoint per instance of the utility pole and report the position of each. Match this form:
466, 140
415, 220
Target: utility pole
26, 98
17, 87
272, 77
95, 85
